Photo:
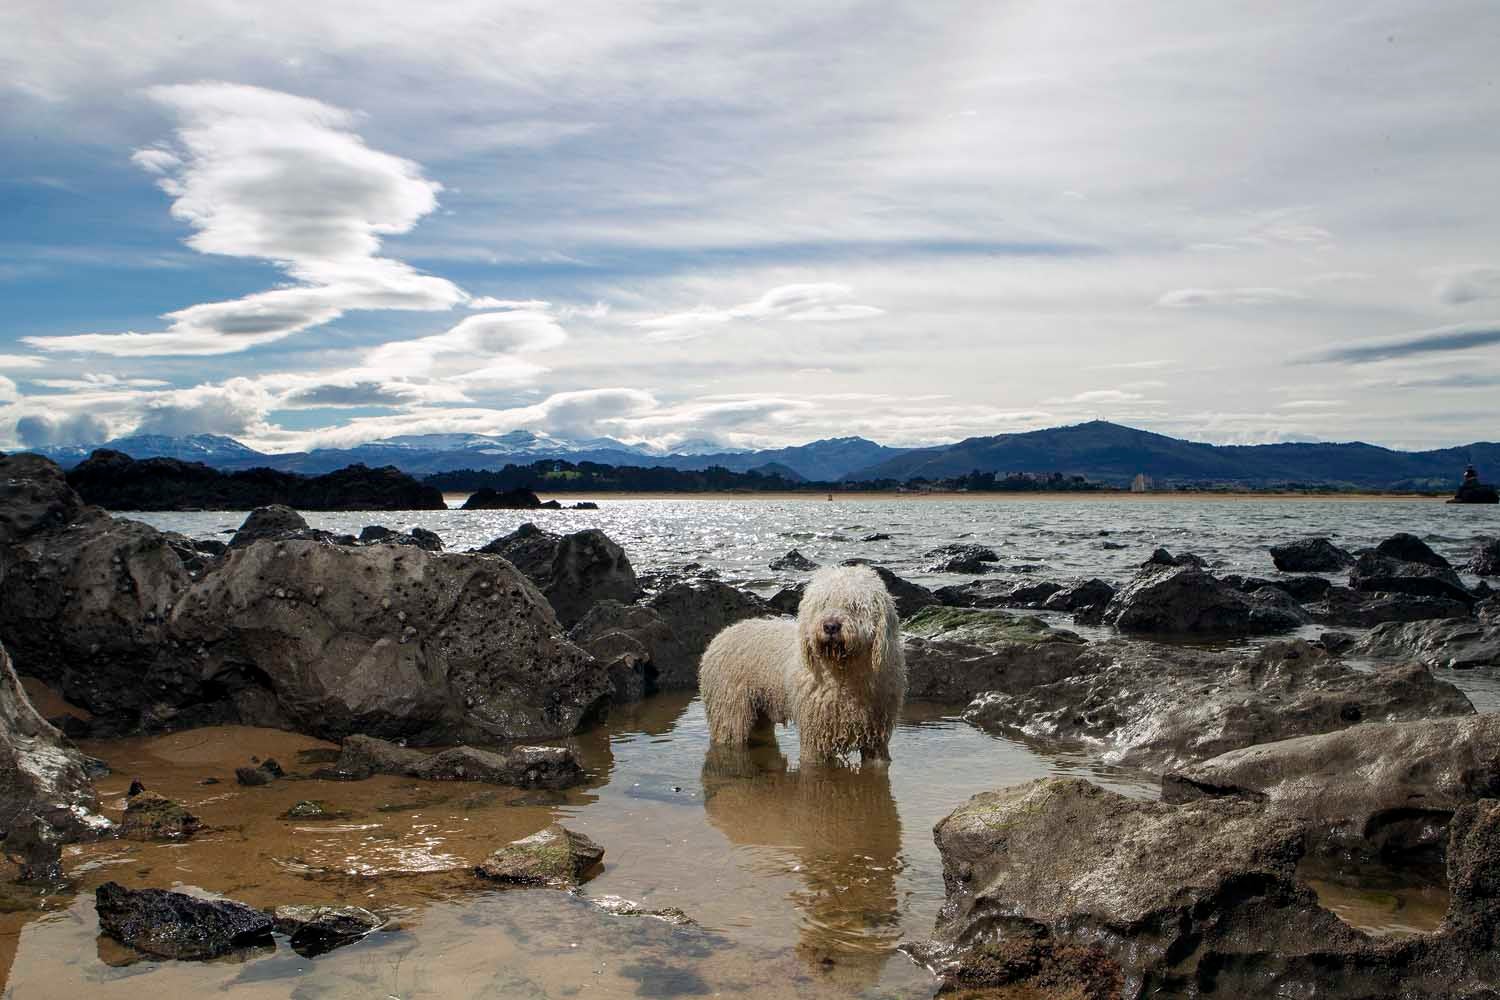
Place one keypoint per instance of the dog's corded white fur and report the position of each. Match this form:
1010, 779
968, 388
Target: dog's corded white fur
837, 671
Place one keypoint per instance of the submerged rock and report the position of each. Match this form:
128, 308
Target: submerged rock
953, 654
149, 816
574, 572
1455, 643
555, 857
521, 767
1310, 555
1163, 707
1378, 788
176, 925
1064, 887
618, 906
1184, 600
46, 796
793, 560
316, 930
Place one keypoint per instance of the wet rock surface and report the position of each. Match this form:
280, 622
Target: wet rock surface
316, 930
960, 558
555, 857
1347, 608
1185, 600
574, 572
34, 497
1110, 896
793, 560
46, 796
1377, 788
1404, 564
696, 612
997, 594
1310, 555
1455, 643
1485, 559
377, 534
521, 767
953, 654
1162, 707
176, 925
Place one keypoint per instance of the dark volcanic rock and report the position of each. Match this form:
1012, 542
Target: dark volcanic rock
953, 654
1183, 600
34, 497
629, 640
909, 597
116, 481
793, 560
176, 925
574, 572
962, 559
1403, 564
1376, 789
555, 857
46, 797
1310, 555
1163, 707
521, 767
385, 640
492, 499
1456, 643
1075, 891
376, 534
1161, 557
1485, 560
1304, 589
1342, 606
316, 930
997, 594
788, 599
275, 522
696, 612
252, 776
1087, 599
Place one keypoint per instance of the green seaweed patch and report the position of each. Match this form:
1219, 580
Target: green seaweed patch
984, 627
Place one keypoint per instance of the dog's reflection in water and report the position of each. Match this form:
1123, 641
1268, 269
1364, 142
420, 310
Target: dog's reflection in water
835, 826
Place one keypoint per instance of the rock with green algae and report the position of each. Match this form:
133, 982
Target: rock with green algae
309, 809
155, 817
556, 857
954, 654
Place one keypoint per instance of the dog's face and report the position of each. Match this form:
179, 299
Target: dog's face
844, 611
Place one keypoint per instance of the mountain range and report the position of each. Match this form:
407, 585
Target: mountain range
1098, 450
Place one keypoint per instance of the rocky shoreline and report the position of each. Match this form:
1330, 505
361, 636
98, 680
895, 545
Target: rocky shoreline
386, 643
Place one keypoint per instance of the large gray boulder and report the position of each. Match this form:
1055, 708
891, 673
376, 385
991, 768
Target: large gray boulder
909, 597
1348, 608
953, 654
35, 497
1455, 643
84, 608
1186, 600
46, 797
574, 572
696, 612
1376, 788
1162, 707
1310, 555
387, 641
274, 522
1061, 888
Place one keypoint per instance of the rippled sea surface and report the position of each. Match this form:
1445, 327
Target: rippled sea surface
802, 880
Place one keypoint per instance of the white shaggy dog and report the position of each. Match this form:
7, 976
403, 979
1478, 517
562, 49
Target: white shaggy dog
837, 671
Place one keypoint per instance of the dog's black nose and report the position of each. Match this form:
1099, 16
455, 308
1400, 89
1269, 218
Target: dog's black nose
832, 628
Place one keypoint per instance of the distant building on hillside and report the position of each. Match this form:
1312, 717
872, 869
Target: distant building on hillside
1141, 483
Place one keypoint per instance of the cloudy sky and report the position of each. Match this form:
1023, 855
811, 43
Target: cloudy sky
308, 224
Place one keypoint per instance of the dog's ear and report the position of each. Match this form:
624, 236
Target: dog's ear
887, 639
